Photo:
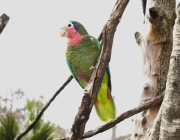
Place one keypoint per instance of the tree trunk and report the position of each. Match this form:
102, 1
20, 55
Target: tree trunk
156, 46
167, 126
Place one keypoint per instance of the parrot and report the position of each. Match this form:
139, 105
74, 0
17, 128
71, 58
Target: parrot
82, 54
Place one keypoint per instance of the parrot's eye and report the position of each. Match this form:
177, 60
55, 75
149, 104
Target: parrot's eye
69, 25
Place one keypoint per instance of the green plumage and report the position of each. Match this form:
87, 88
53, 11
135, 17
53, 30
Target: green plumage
80, 59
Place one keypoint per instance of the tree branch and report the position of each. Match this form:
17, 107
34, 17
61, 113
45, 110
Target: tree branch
144, 6
43, 109
90, 92
152, 103
3, 21
155, 101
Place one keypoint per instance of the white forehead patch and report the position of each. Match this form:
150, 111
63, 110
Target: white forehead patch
70, 25
64, 23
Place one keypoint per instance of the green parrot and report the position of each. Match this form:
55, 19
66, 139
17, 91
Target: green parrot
81, 55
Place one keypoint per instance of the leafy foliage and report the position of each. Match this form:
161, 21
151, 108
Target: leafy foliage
13, 120
45, 132
42, 130
9, 127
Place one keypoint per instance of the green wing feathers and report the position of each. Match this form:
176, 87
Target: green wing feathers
106, 110
105, 106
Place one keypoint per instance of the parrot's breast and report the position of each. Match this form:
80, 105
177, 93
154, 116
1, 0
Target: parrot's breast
82, 57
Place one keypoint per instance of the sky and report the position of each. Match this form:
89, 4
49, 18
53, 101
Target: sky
32, 56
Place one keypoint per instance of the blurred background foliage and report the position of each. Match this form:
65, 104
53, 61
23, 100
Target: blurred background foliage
17, 112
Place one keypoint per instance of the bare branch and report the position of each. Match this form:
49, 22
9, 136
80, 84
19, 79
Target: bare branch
144, 6
100, 36
152, 103
90, 93
43, 109
3, 21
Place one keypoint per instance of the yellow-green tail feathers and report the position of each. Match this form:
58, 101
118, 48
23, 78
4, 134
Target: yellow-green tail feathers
106, 110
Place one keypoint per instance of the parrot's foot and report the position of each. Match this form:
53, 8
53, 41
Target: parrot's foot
92, 67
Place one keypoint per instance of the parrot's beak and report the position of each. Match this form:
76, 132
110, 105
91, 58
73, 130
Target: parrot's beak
63, 32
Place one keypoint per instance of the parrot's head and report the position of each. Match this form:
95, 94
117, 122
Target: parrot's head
72, 29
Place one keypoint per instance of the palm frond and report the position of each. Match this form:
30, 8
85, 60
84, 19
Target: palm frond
46, 132
9, 127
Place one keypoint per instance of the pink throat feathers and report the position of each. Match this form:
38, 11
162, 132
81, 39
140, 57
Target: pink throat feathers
74, 37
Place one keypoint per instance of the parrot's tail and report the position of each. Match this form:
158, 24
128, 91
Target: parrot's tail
106, 110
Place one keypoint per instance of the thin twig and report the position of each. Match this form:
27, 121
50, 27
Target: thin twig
155, 101
144, 6
43, 109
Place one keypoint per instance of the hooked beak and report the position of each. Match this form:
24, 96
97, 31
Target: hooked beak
63, 32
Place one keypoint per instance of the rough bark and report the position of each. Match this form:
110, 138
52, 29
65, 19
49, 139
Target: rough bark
168, 121
3, 21
156, 46
90, 92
